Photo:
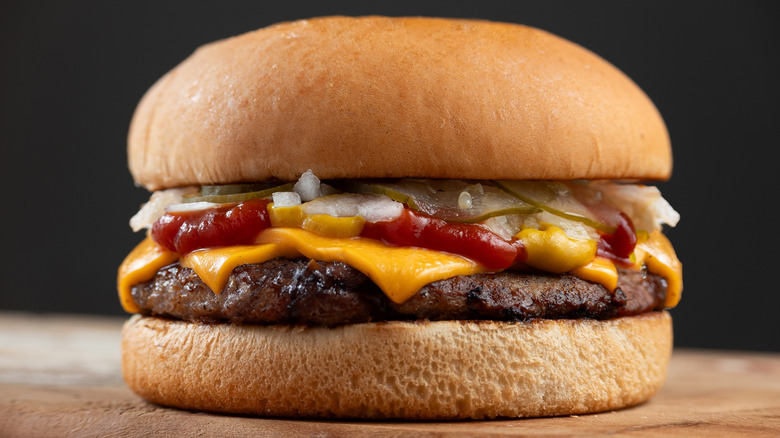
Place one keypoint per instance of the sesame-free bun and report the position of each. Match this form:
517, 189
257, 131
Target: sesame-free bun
410, 370
375, 97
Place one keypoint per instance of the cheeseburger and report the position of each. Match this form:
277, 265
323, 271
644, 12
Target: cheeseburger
410, 218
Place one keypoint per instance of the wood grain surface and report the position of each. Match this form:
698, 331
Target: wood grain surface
59, 376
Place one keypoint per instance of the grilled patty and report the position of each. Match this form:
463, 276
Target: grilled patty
303, 291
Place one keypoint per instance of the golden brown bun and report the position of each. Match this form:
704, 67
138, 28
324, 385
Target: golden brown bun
395, 97
409, 370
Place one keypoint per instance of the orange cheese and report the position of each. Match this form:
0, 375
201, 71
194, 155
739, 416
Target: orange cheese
599, 270
140, 265
214, 266
658, 255
398, 271
655, 252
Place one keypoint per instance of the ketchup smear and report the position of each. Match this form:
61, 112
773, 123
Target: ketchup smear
233, 224
469, 240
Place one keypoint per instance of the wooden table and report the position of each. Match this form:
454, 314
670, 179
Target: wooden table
59, 376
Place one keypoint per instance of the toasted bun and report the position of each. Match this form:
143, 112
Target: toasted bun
409, 370
395, 97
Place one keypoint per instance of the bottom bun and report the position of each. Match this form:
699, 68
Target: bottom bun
408, 370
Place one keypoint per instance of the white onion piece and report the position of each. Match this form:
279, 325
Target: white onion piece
286, 199
379, 208
371, 207
504, 226
155, 207
645, 206
308, 186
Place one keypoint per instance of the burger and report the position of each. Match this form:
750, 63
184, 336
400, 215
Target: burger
409, 218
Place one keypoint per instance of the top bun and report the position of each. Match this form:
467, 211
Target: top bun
375, 97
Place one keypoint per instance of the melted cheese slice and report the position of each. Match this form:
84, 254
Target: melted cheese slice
214, 266
658, 254
140, 265
599, 270
398, 271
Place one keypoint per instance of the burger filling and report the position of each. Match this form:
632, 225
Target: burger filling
357, 251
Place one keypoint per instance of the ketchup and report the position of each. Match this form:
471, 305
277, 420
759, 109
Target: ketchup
619, 245
469, 240
232, 224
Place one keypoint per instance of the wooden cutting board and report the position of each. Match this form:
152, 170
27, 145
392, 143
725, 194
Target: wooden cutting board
59, 376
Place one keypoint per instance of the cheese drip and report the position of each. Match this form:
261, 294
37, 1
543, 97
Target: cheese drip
398, 271
140, 265
658, 255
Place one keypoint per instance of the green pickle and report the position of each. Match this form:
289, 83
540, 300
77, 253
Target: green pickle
545, 195
382, 189
229, 193
439, 198
232, 189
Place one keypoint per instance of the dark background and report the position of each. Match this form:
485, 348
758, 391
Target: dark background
71, 73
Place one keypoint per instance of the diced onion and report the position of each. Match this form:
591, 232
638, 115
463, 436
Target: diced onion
308, 186
152, 210
504, 226
379, 208
286, 199
371, 207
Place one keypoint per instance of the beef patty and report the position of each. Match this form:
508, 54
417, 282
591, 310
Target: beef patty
303, 291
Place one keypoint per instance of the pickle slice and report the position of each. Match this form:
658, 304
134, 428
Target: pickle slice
555, 198
232, 189
225, 198
383, 189
451, 200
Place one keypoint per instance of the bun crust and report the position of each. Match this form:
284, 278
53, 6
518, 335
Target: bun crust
376, 97
408, 370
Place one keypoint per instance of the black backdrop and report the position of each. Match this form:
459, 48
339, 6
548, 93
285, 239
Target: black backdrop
71, 73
